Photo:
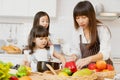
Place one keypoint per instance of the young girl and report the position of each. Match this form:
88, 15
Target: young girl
38, 48
42, 18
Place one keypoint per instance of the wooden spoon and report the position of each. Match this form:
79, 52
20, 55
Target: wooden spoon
51, 69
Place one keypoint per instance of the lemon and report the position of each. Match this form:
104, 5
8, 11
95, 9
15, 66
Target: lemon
67, 70
63, 74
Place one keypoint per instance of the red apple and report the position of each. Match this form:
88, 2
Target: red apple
97, 70
13, 78
110, 67
101, 64
92, 66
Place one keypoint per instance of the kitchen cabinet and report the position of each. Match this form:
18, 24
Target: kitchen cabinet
42, 5
13, 8
27, 8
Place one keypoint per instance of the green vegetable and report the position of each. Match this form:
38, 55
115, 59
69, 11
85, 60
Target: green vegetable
21, 74
22, 71
4, 69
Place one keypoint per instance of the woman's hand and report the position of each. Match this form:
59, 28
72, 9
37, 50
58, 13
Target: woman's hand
83, 62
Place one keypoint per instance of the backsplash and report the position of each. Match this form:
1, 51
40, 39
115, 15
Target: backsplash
14, 33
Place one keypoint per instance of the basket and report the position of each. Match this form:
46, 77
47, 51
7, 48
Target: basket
49, 76
103, 75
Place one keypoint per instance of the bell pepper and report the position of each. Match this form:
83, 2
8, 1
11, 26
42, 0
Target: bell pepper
71, 65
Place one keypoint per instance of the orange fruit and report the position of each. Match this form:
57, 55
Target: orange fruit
105, 70
101, 64
25, 78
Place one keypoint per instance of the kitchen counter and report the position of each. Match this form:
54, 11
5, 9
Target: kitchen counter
116, 63
14, 58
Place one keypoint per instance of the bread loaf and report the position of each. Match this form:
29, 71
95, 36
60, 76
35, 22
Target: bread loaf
11, 49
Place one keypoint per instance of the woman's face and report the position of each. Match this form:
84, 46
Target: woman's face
82, 21
41, 42
44, 21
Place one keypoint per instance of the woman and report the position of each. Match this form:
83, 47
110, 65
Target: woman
91, 38
42, 18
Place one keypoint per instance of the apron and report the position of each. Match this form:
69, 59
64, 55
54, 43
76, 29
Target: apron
85, 52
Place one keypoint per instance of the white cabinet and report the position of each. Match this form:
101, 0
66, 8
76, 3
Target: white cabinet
13, 8
27, 8
48, 6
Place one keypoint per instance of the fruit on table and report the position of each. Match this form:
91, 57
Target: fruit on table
22, 71
101, 64
25, 78
62, 74
110, 67
28, 69
71, 65
83, 72
67, 70
105, 70
4, 69
92, 66
97, 70
13, 78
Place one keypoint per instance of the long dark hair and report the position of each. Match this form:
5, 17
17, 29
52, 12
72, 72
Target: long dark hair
37, 17
85, 8
38, 31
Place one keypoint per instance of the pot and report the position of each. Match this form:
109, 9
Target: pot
41, 66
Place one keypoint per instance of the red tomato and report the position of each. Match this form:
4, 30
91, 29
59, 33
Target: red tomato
13, 78
92, 66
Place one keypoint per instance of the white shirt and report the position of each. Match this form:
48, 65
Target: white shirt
104, 38
38, 55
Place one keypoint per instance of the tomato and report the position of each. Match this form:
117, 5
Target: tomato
71, 65
13, 78
67, 70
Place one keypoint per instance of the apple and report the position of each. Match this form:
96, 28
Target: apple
92, 66
110, 67
101, 64
13, 78
97, 70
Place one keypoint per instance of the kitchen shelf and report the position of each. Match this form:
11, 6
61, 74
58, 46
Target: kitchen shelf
108, 16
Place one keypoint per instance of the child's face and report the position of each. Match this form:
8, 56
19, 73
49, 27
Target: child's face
82, 21
41, 42
44, 21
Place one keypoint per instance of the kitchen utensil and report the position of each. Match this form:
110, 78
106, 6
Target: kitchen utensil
9, 39
41, 66
51, 69
15, 39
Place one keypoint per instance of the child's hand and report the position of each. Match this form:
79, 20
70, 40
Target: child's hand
26, 63
73, 57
